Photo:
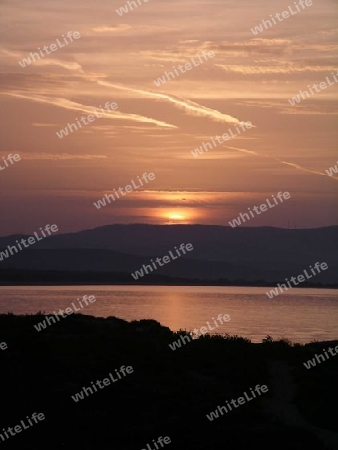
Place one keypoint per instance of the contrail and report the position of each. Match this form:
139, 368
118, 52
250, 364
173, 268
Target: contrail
193, 108
68, 104
295, 166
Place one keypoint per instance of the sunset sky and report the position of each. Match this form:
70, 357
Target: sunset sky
116, 59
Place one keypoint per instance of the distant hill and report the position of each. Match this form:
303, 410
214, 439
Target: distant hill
250, 254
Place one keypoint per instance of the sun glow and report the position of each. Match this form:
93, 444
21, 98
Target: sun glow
179, 215
176, 216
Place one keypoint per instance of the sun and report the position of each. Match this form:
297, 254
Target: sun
175, 216
172, 216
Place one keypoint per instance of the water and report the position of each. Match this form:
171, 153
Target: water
301, 315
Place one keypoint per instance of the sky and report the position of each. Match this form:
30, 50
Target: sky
154, 129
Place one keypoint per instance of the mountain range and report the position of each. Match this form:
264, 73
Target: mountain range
264, 254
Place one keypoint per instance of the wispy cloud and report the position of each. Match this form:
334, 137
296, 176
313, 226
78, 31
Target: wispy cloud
293, 165
188, 106
69, 65
112, 28
44, 124
50, 61
60, 156
68, 104
310, 108
278, 69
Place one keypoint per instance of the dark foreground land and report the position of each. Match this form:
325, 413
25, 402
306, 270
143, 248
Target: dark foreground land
169, 393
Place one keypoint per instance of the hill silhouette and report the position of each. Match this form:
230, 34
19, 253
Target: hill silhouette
253, 255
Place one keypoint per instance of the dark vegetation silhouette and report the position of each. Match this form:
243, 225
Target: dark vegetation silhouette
169, 393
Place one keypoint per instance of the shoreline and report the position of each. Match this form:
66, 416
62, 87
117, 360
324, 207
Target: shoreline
155, 324
192, 284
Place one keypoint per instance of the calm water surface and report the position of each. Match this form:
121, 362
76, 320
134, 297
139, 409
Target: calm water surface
301, 315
